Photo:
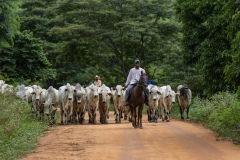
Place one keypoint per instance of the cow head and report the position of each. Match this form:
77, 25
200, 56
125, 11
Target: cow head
49, 108
105, 92
119, 90
95, 91
78, 95
173, 96
36, 93
154, 92
69, 92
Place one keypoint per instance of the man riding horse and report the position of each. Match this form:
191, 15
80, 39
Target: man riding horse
132, 80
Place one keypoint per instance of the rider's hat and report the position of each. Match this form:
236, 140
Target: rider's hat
137, 61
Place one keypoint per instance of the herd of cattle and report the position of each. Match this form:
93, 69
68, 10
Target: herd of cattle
75, 101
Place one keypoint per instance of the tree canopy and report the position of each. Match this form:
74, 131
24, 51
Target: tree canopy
177, 41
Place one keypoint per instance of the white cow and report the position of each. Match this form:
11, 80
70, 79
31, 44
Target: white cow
118, 102
50, 104
104, 102
6, 88
66, 102
36, 100
79, 104
152, 109
169, 101
92, 103
25, 93
42, 100
164, 94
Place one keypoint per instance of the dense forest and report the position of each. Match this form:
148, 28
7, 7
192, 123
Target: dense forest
178, 41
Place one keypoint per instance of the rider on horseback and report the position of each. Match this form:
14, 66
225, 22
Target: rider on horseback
132, 80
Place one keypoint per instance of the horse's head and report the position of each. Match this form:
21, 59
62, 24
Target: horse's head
143, 80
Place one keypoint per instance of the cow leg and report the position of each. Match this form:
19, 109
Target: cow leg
187, 110
61, 114
105, 116
117, 114
156, 115
89, 115
182, 112
95, 117
162, 113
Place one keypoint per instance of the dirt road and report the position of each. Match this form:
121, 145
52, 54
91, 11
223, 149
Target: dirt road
176, 140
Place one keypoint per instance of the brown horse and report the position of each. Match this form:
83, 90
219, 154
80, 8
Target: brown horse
137, 100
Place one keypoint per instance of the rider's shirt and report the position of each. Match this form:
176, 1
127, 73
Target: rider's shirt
134, 76
98, 83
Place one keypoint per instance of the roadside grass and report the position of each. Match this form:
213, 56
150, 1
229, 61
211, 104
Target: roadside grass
220, 113
18, 130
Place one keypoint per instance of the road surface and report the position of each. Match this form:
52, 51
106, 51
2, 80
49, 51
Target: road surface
176, 140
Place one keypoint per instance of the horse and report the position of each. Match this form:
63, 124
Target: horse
137, 100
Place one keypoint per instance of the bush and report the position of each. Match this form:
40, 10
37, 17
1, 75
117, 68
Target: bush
221, 113
18, 130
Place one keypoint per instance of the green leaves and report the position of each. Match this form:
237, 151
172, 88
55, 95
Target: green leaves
206, 42
9, 22
25, 59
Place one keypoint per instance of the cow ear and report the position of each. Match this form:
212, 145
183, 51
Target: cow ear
75, 90
114, 88
33, 92
123, 88
158, 92
66, 89
110, 94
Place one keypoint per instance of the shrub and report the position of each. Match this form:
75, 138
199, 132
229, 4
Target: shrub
18, 130
221, 113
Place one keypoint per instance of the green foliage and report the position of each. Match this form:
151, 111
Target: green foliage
9, 21
18, 131
220, 113
205, 43
232, 70
26, 59
108, 35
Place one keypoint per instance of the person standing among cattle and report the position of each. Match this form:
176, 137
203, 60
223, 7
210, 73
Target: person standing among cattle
132, 80
97, 81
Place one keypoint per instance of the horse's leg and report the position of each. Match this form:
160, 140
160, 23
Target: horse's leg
140, 116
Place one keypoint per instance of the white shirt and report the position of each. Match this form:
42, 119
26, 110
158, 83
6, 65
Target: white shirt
134, 76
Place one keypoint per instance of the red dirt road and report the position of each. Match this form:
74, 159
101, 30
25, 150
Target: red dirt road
176, 140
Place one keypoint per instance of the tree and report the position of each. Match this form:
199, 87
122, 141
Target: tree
9, 21
26, 59
205, 43
232, 70
115, 31
107, 35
